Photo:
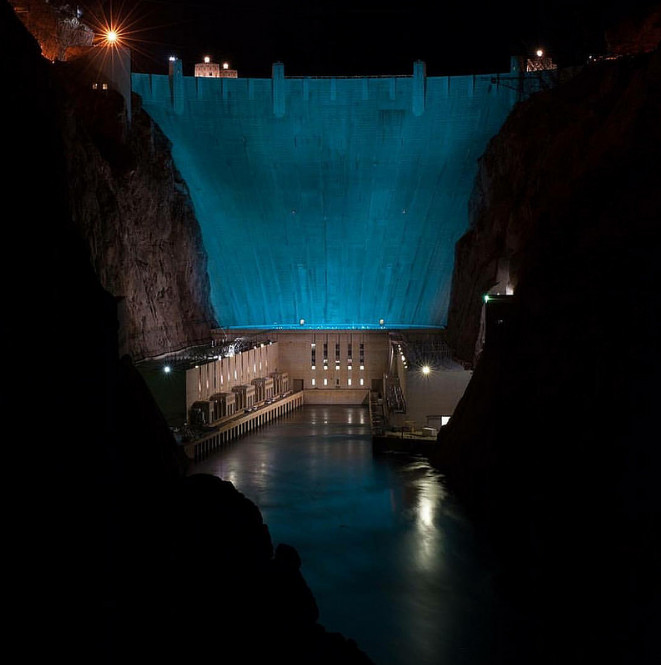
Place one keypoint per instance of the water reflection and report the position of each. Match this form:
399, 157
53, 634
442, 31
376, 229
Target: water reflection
387, 557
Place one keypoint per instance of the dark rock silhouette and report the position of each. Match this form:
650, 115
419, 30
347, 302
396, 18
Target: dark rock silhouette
118, 556
553, 446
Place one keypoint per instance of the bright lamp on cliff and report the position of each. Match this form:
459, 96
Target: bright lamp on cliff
167, 369
426, 369
112, 37
539, 52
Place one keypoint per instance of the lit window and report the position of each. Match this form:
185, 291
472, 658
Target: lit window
314, 382
362, 382
348, 382
325, 367
325, 382
337, 367
362, 367
105, 86
445, 420
313, 367
349, 367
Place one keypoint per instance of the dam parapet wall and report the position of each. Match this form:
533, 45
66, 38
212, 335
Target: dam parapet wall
280, 93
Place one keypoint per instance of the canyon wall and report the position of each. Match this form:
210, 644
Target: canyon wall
133, 208
126, 196
553, 447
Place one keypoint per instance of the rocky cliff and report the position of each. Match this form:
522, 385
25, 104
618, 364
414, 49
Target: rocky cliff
134, 211
580, 143
553, 446
126, 197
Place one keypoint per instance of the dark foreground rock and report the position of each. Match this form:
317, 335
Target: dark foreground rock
553, 447
113, 554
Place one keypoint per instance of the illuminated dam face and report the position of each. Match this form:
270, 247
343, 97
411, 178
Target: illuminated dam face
336, 201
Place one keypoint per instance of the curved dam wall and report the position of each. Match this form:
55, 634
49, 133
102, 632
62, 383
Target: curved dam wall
333, 200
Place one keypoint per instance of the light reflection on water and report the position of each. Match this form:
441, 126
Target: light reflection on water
390, 562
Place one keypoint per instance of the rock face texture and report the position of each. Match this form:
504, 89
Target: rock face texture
553, 446
133, 208
127, 200
56, 26
134, 211
583, 143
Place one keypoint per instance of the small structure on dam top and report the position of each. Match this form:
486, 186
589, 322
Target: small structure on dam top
208, 69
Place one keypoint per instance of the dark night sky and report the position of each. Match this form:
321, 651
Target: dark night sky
355, 37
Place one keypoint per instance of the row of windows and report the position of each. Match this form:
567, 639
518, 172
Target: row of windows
337, 382
313, 352
337, 367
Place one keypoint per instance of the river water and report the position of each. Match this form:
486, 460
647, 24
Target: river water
391, 561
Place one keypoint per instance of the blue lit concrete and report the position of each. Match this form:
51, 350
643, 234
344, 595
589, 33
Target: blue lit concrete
333, 200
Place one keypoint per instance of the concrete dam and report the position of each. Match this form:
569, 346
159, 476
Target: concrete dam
329, 202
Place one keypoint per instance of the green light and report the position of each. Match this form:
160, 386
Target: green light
486, 297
